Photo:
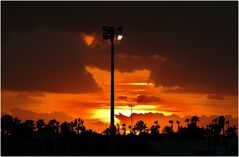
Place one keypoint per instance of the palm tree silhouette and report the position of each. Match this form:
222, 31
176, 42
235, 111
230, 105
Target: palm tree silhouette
57, 127
7, 124
221, 122
80, 128
227, 122
131, 129
17, 126
171, 122
107, 131
124, 128
194, 120
13, 129
28, 127
53, 126
231, 132
167, 130
187, 120
16, 120
65, 128
156, 122
215, 127
73, 125
154, 130
39, 124
178, 122
215, 120
140, 126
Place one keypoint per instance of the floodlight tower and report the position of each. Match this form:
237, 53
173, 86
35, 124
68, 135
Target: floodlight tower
112, 34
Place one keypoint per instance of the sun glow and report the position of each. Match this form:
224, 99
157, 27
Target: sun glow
140, 109
103, 115
94, 107
140, 84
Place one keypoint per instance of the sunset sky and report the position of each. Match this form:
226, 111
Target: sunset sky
176, 59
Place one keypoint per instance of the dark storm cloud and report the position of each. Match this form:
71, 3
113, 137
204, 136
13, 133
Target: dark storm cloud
196, 42
44, 60
122, 97
147, 99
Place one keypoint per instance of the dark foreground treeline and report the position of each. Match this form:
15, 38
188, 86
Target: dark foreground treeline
72, 138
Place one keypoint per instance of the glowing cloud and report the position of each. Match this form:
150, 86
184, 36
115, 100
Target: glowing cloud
88, 39
140, 84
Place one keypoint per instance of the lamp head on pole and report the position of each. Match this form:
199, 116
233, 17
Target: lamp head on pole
110, 32
119, 32
119, 37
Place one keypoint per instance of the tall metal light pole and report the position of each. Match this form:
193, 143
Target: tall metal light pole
131, 118
112, 34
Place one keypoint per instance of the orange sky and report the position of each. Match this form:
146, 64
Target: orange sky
129, 88
57, 66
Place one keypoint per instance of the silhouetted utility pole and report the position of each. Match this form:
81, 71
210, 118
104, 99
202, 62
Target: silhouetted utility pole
228, 120
131, 117
112, 33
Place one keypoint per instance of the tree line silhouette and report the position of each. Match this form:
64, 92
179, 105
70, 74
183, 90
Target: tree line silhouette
15, 131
